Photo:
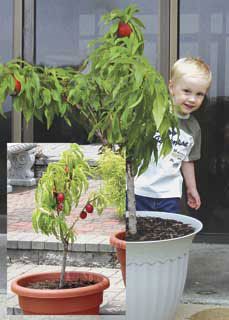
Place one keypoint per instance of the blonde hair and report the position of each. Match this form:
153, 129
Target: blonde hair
194, 67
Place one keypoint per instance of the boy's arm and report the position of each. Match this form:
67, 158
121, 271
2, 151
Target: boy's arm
193, 196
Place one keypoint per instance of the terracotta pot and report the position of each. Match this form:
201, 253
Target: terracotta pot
118, 241
82, 301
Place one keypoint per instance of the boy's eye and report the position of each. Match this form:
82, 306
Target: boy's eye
186, 90
200, 94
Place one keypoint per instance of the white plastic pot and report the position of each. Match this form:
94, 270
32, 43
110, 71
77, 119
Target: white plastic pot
156, 272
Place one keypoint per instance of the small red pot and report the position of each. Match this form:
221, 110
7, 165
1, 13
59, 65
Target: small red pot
81, 301
118, 241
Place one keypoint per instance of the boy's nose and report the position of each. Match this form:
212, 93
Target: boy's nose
192, 98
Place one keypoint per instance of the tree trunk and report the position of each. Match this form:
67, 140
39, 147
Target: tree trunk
63, 267
131, 199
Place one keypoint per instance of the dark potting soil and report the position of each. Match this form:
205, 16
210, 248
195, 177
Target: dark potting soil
152, 228
54, 284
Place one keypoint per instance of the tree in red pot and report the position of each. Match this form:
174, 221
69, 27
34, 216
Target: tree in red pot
58, 191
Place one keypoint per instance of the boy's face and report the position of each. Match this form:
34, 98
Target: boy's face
188, 92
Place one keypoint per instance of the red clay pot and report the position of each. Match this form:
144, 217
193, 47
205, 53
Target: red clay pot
118, 241
81, 301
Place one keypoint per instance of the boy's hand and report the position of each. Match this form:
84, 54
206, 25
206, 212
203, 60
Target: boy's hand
193, 199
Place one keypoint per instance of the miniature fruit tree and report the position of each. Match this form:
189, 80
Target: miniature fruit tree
58, 192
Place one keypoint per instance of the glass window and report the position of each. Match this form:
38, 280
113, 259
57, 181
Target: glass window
204, 32
6, 45
63, 30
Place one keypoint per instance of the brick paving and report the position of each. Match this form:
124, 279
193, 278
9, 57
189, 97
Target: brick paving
20, 205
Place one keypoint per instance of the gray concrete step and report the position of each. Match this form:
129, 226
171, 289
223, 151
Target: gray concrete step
89, 250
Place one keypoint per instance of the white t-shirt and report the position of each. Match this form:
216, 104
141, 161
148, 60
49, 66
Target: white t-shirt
164, 179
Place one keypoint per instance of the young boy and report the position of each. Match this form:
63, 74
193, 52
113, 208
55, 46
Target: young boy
159, 188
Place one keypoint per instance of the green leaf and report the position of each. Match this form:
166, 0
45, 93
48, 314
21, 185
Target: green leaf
138, 75
67, 208
138, 21
67, 121
46, 95
39, 115
136, 102
55, 95
158, 110
49, 116
63, 108
28, 113
35, 218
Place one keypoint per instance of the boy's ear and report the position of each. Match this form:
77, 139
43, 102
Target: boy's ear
171, 87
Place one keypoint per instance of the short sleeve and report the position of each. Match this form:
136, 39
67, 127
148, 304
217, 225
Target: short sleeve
195, 152
192, 128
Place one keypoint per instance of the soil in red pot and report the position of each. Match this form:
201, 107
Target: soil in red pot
53, 284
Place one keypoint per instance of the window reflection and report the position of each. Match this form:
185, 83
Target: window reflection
204, 32
63, 28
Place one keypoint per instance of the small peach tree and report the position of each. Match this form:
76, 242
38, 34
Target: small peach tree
60, 188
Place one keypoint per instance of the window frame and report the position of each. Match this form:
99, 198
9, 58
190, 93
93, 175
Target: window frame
17, 52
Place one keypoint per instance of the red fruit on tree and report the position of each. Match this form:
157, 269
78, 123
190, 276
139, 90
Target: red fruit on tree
60, 197
66, 169
124, 30
60, 207
17, 87
83, 215
89, 208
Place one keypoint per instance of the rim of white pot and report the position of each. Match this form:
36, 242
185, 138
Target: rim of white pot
195, 223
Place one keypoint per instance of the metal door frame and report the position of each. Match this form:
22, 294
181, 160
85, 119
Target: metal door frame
23, 46
17, 52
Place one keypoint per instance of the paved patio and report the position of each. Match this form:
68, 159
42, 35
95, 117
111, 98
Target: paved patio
20, 205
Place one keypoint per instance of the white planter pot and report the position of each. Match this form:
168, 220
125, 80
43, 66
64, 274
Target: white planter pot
156, 272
